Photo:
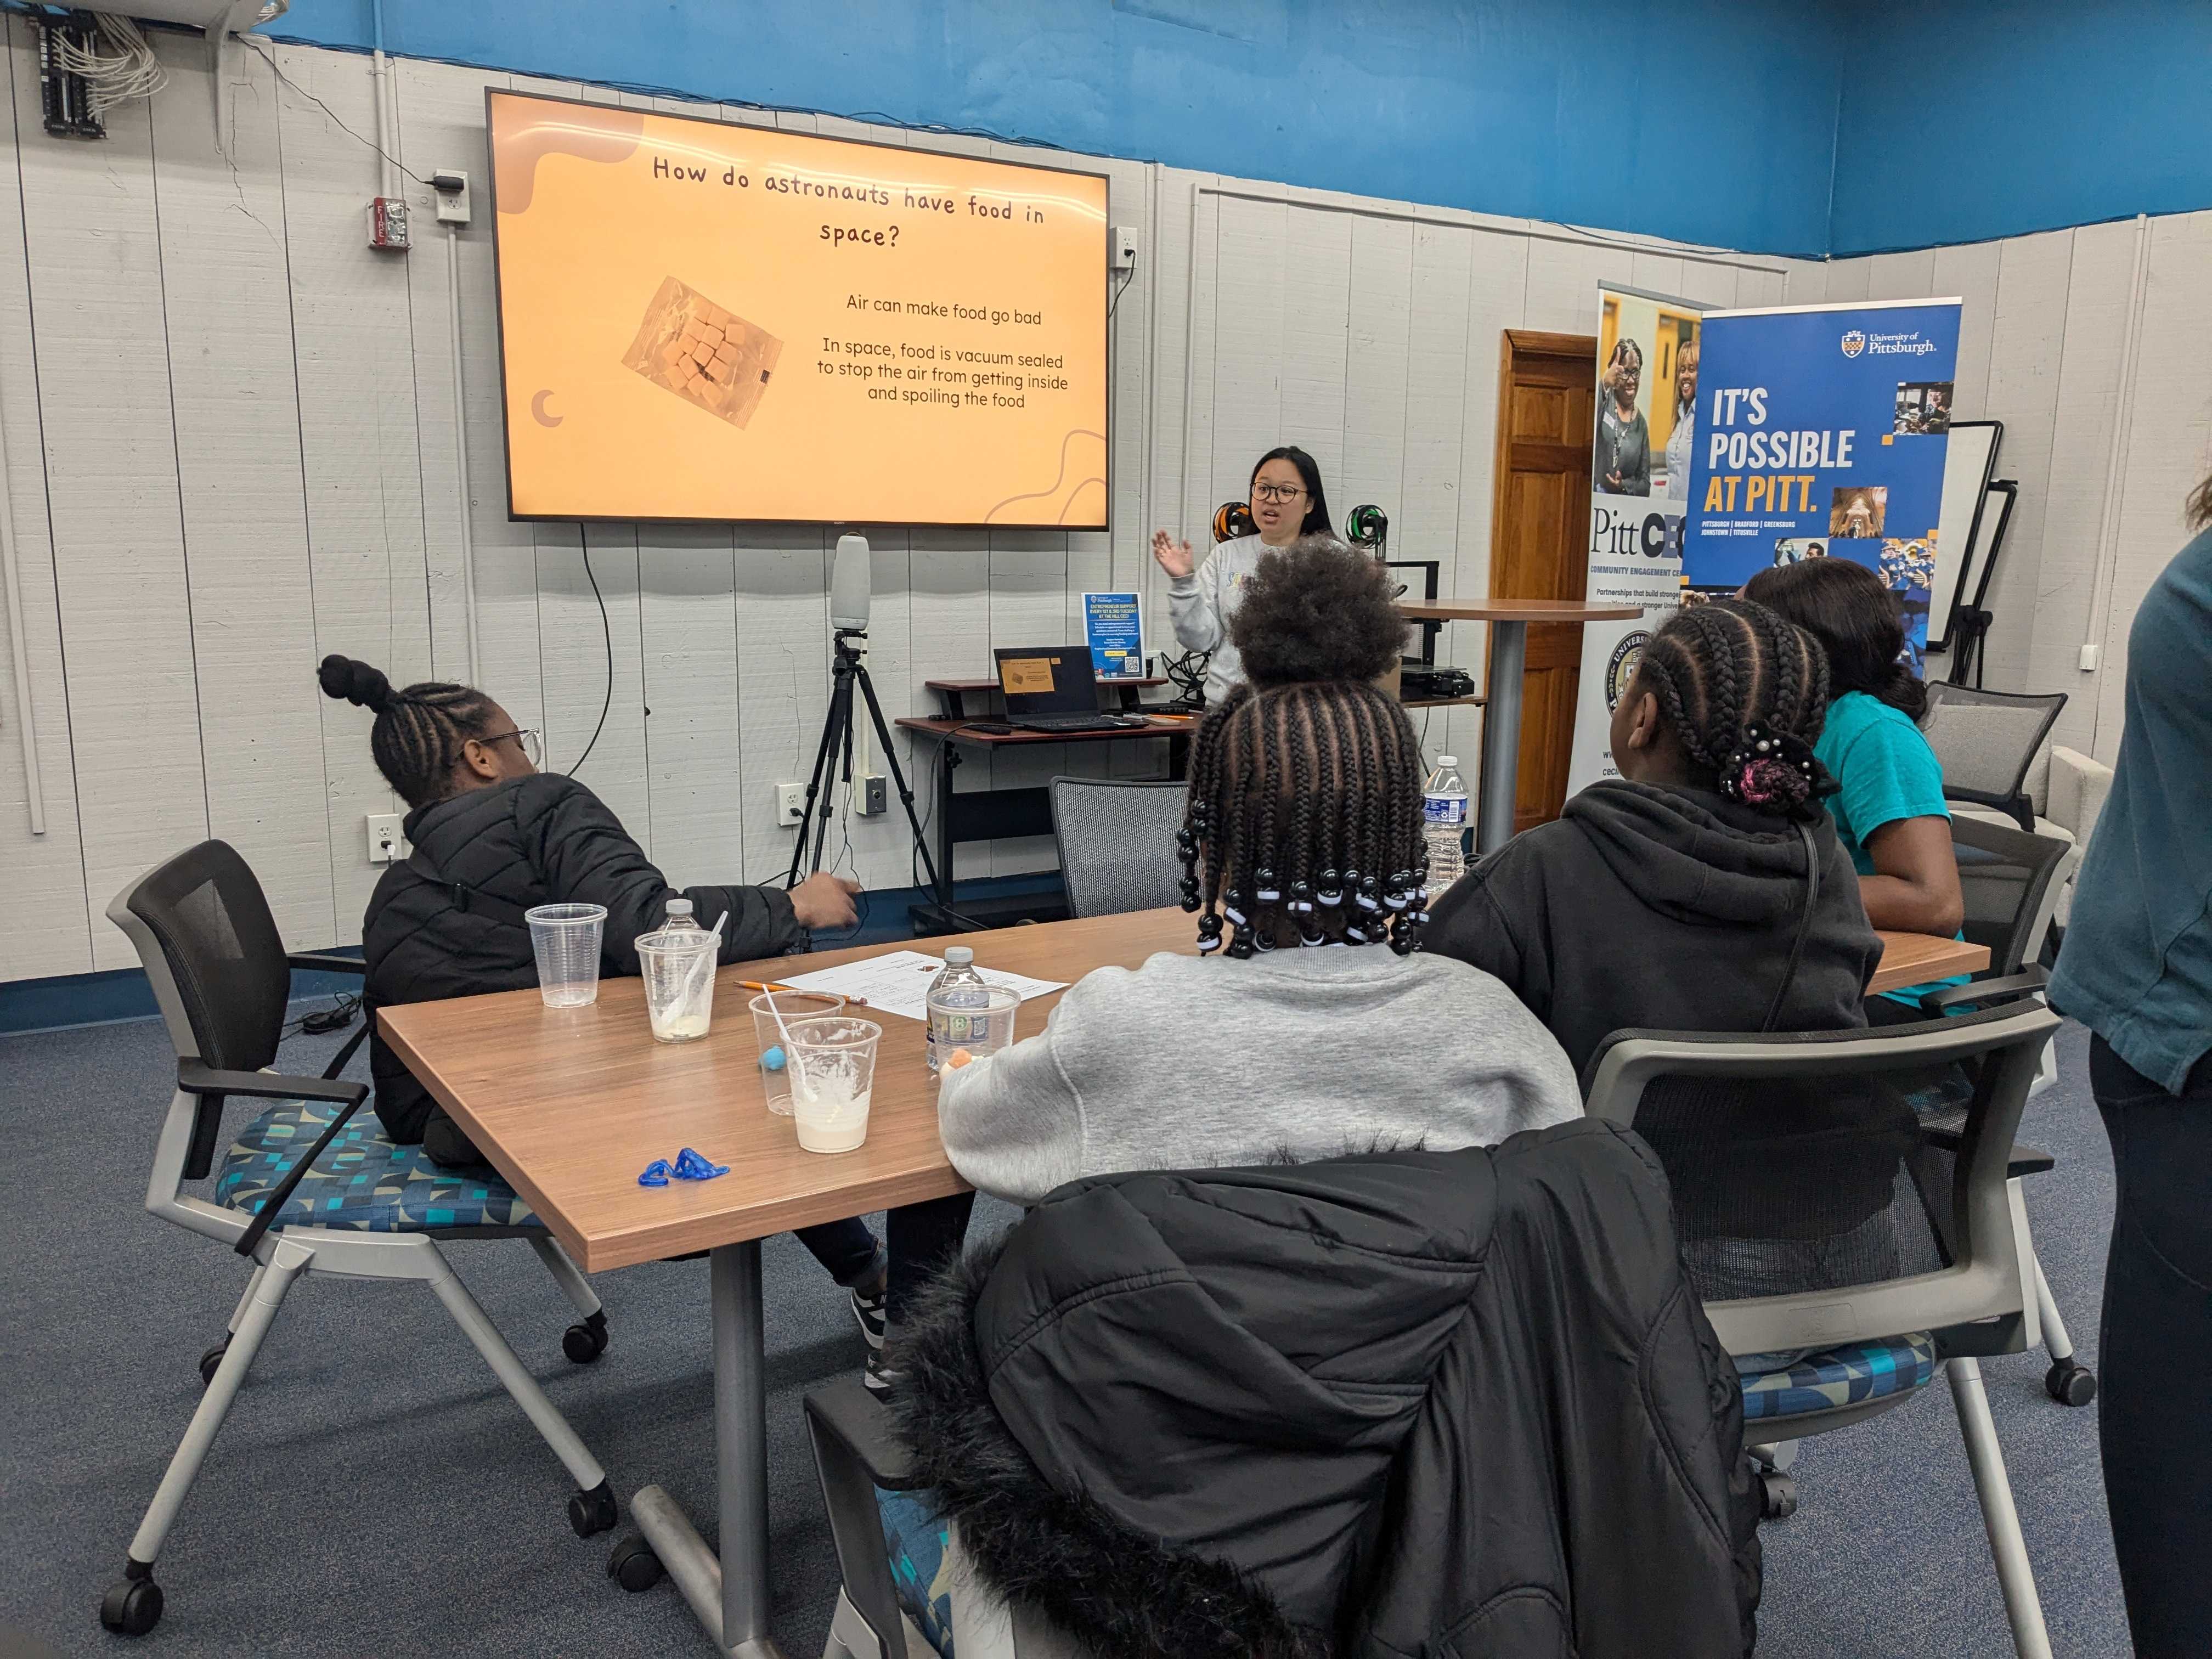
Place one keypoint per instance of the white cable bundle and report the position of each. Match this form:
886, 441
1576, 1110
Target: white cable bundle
129, 71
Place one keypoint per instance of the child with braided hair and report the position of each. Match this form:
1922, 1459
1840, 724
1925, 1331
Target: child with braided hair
1310, 1022
1669, 897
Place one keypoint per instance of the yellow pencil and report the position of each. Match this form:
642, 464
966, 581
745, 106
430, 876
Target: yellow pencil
755, 985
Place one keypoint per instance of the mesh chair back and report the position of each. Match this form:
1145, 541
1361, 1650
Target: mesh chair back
1798, 1173
1117, 843
219, 967
1986, 741
2006, 876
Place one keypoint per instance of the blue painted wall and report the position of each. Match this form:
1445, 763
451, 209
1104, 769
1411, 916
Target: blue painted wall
1709, 120
1975, 119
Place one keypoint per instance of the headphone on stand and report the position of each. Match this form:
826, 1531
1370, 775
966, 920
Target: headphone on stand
1232, 520
1368, 526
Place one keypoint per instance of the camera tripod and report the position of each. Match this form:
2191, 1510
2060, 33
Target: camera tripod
848, 671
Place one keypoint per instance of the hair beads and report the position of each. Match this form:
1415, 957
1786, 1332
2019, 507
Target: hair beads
1747, 694
1299, 795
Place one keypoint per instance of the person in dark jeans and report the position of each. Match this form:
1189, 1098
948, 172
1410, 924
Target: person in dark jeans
2137, 968
493, 836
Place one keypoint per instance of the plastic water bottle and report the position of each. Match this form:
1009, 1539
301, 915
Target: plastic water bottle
680, 918
1444, 815
958, 987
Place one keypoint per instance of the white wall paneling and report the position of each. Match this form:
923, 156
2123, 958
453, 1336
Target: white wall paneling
230, 437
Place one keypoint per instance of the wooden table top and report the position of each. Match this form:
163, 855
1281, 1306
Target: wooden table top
571, 1103
1166, 726
1525, 611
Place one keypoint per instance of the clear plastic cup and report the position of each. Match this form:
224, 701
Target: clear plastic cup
774, 1064
832, 1065
566, 938
679, 970
979, 1021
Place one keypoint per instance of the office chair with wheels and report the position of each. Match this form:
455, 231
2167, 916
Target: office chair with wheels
2011, 881
1117, 843
1807, 1237
1987, 743
306, 1188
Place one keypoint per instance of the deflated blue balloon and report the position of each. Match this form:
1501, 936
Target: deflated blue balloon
656, 1174
691, 1166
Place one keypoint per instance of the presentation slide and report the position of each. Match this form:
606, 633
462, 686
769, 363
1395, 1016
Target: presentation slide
710, 321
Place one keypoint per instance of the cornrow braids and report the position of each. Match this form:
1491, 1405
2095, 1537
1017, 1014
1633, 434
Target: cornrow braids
1301, 820
420, 732
1744, 692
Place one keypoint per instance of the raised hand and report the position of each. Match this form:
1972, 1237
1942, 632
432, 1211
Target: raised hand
1174, 556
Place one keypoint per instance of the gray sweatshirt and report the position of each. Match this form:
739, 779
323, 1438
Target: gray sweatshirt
1201, 604
1192, 1062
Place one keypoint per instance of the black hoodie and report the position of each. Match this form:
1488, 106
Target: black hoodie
1668, 909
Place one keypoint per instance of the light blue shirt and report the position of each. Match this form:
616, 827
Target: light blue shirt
2137, 964
1888, 772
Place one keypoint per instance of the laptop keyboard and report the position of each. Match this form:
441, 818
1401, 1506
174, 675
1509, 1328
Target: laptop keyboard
1068, 723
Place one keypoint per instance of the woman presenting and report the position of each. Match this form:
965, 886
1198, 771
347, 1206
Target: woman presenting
1287, 502
1682, 442
1624, 439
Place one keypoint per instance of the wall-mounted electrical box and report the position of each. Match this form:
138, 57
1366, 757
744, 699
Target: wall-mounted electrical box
1122, 249
452, 188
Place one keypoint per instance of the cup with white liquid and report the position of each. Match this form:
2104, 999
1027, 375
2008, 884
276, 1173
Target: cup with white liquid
832, 1061
677, 967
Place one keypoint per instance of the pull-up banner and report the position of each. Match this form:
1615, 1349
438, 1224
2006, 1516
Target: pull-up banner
1820, 433
1644, 433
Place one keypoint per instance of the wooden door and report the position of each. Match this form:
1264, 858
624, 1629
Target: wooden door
1539, 540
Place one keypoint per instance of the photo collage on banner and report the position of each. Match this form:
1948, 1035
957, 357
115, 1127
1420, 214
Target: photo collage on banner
1821, 433
1640, 466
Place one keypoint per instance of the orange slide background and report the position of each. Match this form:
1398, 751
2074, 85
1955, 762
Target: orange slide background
613, 413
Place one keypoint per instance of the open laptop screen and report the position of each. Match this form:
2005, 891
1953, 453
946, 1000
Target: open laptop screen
1051, 679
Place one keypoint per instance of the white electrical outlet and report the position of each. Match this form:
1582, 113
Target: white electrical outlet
790, 804
1123, 255
387, 844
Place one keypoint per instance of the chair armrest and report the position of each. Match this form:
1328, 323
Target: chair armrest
194, 1078
2079, 786
857, 1420
2018, 808
2029, 981
326, 961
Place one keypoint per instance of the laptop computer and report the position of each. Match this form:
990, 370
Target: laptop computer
1051, 688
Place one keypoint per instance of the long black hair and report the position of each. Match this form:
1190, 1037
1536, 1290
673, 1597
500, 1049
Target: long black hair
420, 733
1304, 811
1747, 694
1316, 520
1858, 623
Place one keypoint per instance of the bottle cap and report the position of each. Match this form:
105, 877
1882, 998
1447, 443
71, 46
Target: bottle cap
679, 907
1451, 761
959, 956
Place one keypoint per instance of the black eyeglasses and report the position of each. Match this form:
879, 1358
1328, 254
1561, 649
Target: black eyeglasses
1267, 492
525, 739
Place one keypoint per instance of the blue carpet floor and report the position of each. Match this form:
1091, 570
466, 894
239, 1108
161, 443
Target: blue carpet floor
375, 1491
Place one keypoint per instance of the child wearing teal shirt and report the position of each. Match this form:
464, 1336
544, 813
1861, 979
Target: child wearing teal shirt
1889, 811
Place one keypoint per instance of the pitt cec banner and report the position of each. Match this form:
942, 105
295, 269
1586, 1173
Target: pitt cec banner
1640, 464
1821, 431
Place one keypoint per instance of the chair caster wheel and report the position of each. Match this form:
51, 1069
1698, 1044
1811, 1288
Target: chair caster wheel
1777, 1496
2069, 1383
634, 1566
585, 1342
592, 1512
132, 1607
212, 1361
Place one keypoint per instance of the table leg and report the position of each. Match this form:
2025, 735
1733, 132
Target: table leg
948, 759
729, 1595
1501, 736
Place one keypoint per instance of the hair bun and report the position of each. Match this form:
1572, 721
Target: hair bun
356, 683
1317, 610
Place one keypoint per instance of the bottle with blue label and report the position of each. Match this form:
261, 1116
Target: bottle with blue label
1444, 826
957, 987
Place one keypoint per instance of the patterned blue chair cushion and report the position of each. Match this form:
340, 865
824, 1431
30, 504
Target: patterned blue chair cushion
1841, 1376
916, 1537
363, 1182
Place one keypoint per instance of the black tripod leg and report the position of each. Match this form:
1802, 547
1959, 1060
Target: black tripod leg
839, 733
939, 888
813, 787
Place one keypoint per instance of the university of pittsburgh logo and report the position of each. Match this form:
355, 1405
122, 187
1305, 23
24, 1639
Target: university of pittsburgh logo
1622, 669
1854, 342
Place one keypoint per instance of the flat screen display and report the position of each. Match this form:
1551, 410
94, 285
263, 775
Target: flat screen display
702, 320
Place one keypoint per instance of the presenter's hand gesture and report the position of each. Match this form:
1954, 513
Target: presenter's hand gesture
1174, 556
825, 901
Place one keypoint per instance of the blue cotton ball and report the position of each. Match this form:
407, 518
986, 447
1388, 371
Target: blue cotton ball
772, 1061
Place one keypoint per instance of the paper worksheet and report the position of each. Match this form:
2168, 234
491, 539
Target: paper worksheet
898, 983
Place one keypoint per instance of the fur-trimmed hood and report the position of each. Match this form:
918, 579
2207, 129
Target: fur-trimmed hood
1410, 1402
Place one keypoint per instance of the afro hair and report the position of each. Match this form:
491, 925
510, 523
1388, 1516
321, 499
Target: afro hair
1317, 610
